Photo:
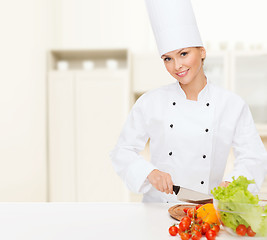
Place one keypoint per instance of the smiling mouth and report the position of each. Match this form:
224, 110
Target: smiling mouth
182, 74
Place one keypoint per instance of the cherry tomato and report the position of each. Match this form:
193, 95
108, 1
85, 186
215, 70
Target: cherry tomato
198, 206
196, 235
197, 228
184, 225
184, 236
241, 230
198, 220
186, 219
173, 230
205, 228
190, 234
215, 228
192, 213
210, 235
186, 209
250, 232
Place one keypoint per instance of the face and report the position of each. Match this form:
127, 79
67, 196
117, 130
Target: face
186, 64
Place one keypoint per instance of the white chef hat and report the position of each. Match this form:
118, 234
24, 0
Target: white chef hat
174, 24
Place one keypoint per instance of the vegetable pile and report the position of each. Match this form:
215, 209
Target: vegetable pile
239, 209
199, 220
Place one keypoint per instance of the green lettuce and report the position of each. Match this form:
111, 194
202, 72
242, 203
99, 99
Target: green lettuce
239, 206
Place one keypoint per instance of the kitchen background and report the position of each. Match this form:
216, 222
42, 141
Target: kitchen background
71, 70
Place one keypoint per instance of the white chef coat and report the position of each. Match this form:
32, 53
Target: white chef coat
190, 140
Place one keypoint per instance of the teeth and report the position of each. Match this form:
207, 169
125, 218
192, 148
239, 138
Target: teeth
182, 73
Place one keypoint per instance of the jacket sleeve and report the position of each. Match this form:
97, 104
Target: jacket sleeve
126, 160
249, 151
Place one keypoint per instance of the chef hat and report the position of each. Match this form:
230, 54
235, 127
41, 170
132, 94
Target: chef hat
174, 24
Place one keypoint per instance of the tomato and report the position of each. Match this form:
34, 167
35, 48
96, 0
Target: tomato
198, 206
196, 235
250, 232
186, 219
205, 228
184, 225
192, 213
198, 220
184, 236
197, 228
241, 230
215, 228
173, 230
186, 209
210, 235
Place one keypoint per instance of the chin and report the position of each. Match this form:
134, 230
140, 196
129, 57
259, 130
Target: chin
183, 81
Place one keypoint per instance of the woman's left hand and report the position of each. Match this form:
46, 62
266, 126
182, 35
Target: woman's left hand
224, 184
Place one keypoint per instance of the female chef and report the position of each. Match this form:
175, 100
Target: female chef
191, 124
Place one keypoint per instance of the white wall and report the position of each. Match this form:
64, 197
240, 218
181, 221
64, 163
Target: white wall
22, 100
83, 23
232, 21
104, 23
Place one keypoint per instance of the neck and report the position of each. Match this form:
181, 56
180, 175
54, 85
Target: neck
194, 87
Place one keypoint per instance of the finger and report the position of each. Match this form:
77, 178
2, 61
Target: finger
223, 184
159, 183
226, 183
165, 186
170, 184
156, 185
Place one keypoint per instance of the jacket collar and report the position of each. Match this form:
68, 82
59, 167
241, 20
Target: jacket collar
203, 94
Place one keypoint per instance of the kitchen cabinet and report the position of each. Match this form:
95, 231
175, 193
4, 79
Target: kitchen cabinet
249, 80
101, 107
87, 109
61, 133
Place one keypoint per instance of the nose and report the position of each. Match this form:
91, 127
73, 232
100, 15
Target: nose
178, 65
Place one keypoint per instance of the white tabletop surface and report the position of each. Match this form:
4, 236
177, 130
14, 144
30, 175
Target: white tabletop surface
87, 221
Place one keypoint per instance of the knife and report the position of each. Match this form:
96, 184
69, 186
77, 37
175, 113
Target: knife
191, 196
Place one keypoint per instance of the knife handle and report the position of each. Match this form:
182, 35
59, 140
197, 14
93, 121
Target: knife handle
176, 189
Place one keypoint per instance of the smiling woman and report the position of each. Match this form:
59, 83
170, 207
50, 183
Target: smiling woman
186, 65
192, 124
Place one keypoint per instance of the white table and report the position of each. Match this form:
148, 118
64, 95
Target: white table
87, 221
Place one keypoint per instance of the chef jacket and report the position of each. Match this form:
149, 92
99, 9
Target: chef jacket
190, 140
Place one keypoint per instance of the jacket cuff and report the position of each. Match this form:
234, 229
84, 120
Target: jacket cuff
136, 177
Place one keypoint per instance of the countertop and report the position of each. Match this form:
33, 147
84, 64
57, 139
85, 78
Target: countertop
88, 221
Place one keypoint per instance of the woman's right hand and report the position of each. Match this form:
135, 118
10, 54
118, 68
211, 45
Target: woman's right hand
161, 181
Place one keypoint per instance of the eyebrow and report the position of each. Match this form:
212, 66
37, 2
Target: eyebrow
176, 53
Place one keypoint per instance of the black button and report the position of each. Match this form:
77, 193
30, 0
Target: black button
170, 153
173, 103
204, 156
207, 104
202, 182
171, 125
207, 130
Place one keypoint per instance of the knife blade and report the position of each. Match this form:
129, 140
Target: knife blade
191, 196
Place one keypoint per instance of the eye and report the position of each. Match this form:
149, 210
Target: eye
167, 59
184, 54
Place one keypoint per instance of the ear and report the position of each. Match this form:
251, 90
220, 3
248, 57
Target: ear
203, 52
